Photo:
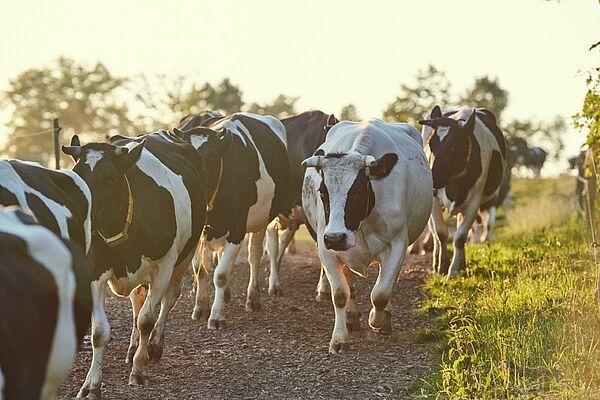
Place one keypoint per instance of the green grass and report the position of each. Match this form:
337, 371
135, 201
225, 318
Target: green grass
522, 320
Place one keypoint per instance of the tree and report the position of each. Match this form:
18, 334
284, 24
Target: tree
84, 98
486, 93
283, 106
589, 116
415, 102
349, 113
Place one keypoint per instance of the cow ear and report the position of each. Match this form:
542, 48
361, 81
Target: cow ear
130, 157
319, 152
331, 121
470, 124
74, 150
436, 112
225, 140
383, 166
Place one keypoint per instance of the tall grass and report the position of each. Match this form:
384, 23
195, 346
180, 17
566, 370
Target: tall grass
522, 321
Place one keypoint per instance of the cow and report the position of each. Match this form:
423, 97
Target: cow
59, 200
483, 228
467, 154
367, 196
204, 118
246, 167
45, 304
148, 211
532, 158
305, 133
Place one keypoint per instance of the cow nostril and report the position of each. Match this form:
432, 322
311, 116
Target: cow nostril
331, 239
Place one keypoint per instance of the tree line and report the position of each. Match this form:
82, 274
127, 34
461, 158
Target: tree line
91, 101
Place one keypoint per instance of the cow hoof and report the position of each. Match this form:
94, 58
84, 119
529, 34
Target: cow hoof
89, 394
155, 352
322, 296
253, 305
199, 314
276, 291
130, 353
227, 295
381, 322
353, 321
336, 348
138, 380
214, 324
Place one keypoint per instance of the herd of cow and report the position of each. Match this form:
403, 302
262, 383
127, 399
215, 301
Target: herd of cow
135, 212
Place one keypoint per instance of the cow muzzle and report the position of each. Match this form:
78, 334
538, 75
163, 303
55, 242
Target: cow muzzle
337, 241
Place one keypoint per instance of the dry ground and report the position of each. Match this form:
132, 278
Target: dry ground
277, 353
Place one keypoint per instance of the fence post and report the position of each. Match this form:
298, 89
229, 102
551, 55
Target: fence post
56, 131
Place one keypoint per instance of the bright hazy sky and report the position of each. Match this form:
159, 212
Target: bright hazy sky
329, 53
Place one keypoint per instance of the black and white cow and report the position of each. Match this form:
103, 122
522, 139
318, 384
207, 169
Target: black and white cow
59, 200
148, 211
532, 158
247, 174
467, 155
367, 194
204, 118
45, 306
305, 133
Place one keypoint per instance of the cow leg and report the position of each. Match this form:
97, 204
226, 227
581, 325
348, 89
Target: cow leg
352, 311
137, 297
323, 288
463, 224
157, 338
380, 319
255, 251
201, 260
100, 338
147, 321
274, 250
491, 221
439, 231
340, 295
221, 281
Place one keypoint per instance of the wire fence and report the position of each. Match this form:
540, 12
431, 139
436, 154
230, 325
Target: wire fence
55, 131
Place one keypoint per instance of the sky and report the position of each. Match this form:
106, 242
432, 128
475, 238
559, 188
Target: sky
328, 53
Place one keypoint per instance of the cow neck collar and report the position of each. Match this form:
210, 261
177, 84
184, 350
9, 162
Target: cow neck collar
122, 236
211, 203
463, 173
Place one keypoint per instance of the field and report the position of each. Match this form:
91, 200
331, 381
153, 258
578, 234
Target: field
520, 323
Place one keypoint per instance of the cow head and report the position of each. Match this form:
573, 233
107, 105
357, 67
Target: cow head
211, 145
451, 145
331, 121
103, 166
346, 192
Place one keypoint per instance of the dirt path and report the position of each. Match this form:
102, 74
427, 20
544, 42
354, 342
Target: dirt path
277, 353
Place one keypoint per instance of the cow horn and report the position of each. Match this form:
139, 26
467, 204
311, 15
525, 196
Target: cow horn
314, 161
121, 150
370, 161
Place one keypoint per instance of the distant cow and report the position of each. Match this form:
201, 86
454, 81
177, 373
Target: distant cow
305, 133
45, 305
367, 195
467, 157
529, 157
246, 167
58, 200
148, 211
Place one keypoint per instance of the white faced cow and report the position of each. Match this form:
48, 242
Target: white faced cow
45, 306
367, 195
246, 167
467, 156
148, 211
